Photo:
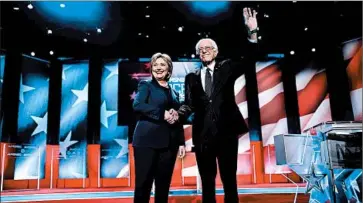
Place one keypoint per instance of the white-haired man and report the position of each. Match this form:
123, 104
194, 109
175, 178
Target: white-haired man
209, 94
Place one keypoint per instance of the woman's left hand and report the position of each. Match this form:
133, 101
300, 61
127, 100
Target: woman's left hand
181, 152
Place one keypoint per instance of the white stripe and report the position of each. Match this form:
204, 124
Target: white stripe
239, 84
303, 78
268, 95
274, 129
356, 98
321, 114
262, 65
243, 109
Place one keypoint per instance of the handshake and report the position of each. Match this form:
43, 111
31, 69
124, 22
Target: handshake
171, 116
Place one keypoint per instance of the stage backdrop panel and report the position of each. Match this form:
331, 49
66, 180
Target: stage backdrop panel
2, 68
113, 138
352, 52
73, 122
32, 118
313, 96
272, 111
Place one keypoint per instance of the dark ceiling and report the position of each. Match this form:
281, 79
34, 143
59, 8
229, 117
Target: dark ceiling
125, 34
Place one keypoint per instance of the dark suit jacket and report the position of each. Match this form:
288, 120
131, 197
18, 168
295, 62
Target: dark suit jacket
151, 129
218, 116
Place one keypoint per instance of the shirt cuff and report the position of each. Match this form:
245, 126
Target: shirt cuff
252, 40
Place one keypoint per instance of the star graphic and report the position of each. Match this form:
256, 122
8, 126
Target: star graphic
313, 180
124, 172
105, 114
133, 95
64, 71
113, 69
124, 147
81, 94
65, 144
42, 124
23, 89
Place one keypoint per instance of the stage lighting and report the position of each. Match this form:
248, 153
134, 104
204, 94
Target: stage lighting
199, 33
193, 56
32, 53
266, 16
62, 5
180, 29
50, 32
99, 30
306, 29
16, 8
147, 36
313, 49
208, 9
81, 15
30, 6
259, 37
140, 33
51, 52
85, 40
147, 16
292, 52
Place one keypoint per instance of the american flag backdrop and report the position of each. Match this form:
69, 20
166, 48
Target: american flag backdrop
352, 53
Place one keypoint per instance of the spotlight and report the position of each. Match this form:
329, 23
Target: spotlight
147, 36
62, 5
99, 30
199, 33
292, 52
30, 6
147, 16
50, 32
16, 8
32, 53
259, 37
313, 49
266, 16
85, 39
140, 33
147, 6
193, 56
180, 29
51, 52
306, 29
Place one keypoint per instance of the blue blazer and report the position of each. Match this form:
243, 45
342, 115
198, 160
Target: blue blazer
151, 129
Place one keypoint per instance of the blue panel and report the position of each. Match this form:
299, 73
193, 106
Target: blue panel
2, 67
73, 123
33, 116
114, 138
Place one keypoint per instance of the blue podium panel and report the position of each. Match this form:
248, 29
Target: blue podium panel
328, 157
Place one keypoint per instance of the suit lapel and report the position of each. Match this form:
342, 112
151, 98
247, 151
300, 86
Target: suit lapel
220, 76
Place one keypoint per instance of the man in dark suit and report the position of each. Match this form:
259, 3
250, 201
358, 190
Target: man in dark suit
209, 94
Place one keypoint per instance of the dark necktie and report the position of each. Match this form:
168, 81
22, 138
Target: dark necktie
208, 82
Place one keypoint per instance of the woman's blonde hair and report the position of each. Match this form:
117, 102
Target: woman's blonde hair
168, 61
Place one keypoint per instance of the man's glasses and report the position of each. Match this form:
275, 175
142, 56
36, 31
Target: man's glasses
207, 48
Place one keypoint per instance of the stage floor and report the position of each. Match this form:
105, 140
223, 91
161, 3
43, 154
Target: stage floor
280, 193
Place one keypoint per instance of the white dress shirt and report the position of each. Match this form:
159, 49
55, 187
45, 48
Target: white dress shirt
203, 71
